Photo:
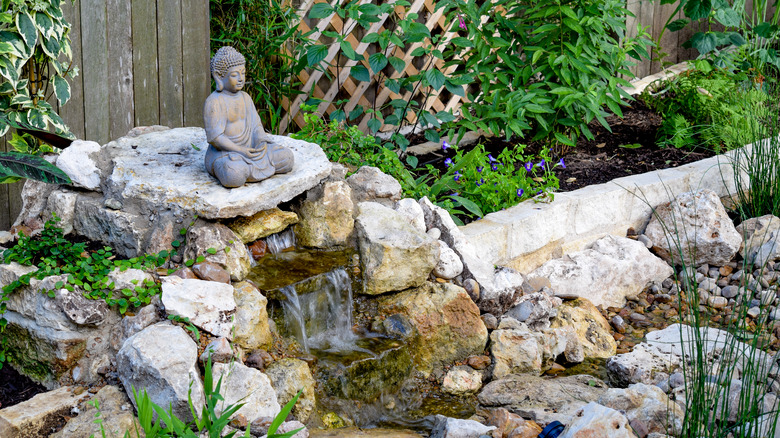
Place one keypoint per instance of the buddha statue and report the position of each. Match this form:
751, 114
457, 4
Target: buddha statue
239, 149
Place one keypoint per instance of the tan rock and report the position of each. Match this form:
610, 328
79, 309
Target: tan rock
461, 380
34, 417
228, 250
251, 319
288, 376
648, 404
211, 272
326, 216
116, 412
590, 326
262, 224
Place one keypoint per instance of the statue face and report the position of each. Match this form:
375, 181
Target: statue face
234, 81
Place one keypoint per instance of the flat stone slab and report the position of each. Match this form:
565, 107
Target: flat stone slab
166, 168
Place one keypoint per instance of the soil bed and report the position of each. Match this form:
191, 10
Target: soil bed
16, 388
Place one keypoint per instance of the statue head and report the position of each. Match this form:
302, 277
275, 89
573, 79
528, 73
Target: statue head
228, 68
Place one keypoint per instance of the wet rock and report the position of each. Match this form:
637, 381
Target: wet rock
614, 268
371, 184
590, 326
259, 360
449, 265
252, 328
326, 216
462, 380
446, 427
446, 320
393, 255
258, 249
241, 384
161, 359
704, 228
648, 404
288, 376
211, 272
535, 310
262, 224
207, 304
354, 432
34, 417
217, 238
116, 413
542, 400
218, 350
596, 421
619, 324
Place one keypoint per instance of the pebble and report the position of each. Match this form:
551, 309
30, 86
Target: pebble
713, 273
491, 322
708, 284
717, 302
753, 312
472, 288
729, 291
618, 323
663, 298
677, 380
435, 233
479, 362
645, 240
667, 284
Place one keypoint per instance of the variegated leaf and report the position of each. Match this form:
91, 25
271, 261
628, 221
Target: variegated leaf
26, 26
36, 119
44, 24
6, 48
61, 89
19, 165
8, 71
15, 40
51, 46
5, 17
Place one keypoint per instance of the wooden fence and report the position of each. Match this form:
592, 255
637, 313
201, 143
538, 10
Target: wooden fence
141, 62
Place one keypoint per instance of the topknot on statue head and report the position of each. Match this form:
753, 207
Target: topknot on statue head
226, 58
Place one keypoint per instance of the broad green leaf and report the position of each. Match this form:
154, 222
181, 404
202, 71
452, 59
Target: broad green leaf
737, 39
321, 10
454, 89
419, 51
704, 42
15, 164
315, 54
677, 25
355, 113
377, 62
728, 17
462, 42
26, 27
61, 89
369, 9
430, 135
360, 73
374, 125
445, 116
469, 205
435, 78
370, 38
349, 52
765, 30
697, 9
398, 64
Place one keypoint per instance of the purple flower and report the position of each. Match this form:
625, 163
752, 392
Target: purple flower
457, 175
481, 181
494, 166
480, 169
561, 163
490, 157
540, 164
448, 162
456, 194
520, 193
461, 22
539, 192
528, 166
444, 145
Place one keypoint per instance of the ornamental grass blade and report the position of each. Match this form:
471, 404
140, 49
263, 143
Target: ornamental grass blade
17, 164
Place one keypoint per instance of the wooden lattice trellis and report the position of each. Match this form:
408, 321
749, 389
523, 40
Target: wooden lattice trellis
339, 85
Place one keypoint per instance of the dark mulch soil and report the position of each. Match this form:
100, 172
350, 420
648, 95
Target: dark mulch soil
16, 388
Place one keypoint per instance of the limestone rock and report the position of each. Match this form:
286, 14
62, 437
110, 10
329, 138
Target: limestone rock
371, 184
542, 400
704, 230
116, 411
208, 304
446, 427
499, 287
288, 376
63, 204
34, 199
81, 310
413, 213
201, 238
606, 273
517, 349
648, 404
34, 417
193, 190
218, 350
535, 310
130, 325
128, 278
326, 216
462, 380
262, 224
596, 421
592, 329
252, 329
241, 384
122, 230
641, 365
161, 359
449, 265
76, 162
447, 324
393, 255
757, 231
211, 272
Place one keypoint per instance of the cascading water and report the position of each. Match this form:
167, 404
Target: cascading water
321, 319
280, 241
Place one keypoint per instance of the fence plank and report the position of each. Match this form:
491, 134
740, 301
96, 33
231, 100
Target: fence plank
5, 204
631, 23
120, 68
72, 112
169, 50
195, 59
668, 41
94, 46
145, 77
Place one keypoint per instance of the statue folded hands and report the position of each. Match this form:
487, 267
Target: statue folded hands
239, 149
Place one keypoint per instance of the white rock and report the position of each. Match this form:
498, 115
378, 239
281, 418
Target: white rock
694, 223
648, 404
449, 265
640, 365
242, 384
129, 278
161, 359
596, 421
610, 270
535, 310
33, 417
75, 161
63, 204
208, 304
412, 212
516, 349
143, 165
446, 427
218, 350
34, 197
756, 232
218, 237
461, 380
371, 184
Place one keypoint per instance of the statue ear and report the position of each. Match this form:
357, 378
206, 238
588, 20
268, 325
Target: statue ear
218, 81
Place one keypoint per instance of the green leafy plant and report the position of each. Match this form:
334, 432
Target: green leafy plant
267, 33
187, 324
544, 69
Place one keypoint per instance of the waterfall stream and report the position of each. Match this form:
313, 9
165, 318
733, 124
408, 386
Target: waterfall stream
280, 241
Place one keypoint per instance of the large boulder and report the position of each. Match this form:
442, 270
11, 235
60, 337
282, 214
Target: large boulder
446, 323
242, 384
35, 417
262, 224
592, 329
694, 228
644, 364
116, 413
219, 244
326, 216
162, 360
288, 376
607, 272
393, 255
207, 304
517, 349
371, 184
252, 330
647, 404
542, 400
596, 421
